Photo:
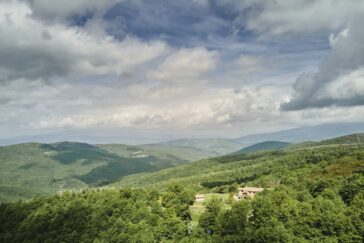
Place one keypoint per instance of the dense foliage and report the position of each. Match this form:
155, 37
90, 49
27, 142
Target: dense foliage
28, 170
262, 169
291, 214
313, 194
267, 145
321, 210
98, 216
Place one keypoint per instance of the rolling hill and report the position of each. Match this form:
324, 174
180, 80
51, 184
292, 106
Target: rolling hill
267, 145
310, 194
223, 146
159, 150
302, 134
357, 138
31, 169
217, 146
260, 168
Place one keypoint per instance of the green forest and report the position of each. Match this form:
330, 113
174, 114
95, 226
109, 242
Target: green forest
33, 169
313, 193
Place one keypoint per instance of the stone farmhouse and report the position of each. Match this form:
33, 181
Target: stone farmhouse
247, 192
200, 198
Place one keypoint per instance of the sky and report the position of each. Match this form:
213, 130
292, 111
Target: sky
169, 69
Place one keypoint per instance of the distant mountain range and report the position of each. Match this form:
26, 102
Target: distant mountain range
296, 135
311, 133
218, 146
246, 167
267, 145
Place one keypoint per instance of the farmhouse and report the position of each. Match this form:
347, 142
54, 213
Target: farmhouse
200, 198
248, 192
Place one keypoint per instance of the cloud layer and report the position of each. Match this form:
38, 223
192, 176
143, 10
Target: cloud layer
339, 80
218, 67
32, 50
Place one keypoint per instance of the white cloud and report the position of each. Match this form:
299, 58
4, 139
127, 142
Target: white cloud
334, 38
248, 64
185, 65
160, 87
37, 107
212, 109
346, 88
296, 16
338, 79
61, 10
31, 49
219, 111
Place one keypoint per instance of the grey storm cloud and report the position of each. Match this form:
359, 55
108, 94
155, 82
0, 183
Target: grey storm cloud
32, 49
53, 10
340, 78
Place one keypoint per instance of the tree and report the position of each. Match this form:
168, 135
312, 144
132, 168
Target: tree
208, 218
235, 220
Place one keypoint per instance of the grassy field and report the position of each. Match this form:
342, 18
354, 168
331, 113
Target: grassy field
199, 207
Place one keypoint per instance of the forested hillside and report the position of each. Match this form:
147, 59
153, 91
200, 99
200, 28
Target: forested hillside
267, 145
357, 138
261, 168
28, 170
99, 216
216, 146
164, 151
312, 195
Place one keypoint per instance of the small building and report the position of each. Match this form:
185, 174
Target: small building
139, 154
200, 198
248, 192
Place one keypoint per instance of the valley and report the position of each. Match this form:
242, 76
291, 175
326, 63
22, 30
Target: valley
33, 169
137, 193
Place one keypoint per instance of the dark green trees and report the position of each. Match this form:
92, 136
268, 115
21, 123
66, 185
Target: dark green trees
97, 215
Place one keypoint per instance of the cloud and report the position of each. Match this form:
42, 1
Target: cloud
33, 50
208, 109
198, 65
225, 111
249, 64
294, 16
53, 10
180, 23
186, 65
33, 106
339, 78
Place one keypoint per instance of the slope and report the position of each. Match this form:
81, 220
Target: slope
301, 134
33, 169
216, 146
159, 150
311, 195
261, 168
267, 145
357, 138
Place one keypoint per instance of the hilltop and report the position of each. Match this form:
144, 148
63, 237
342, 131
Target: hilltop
216, 146
31, 169
267, 145
256, 168
302, 134
357, 138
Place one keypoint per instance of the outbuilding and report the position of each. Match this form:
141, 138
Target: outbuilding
248, 192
